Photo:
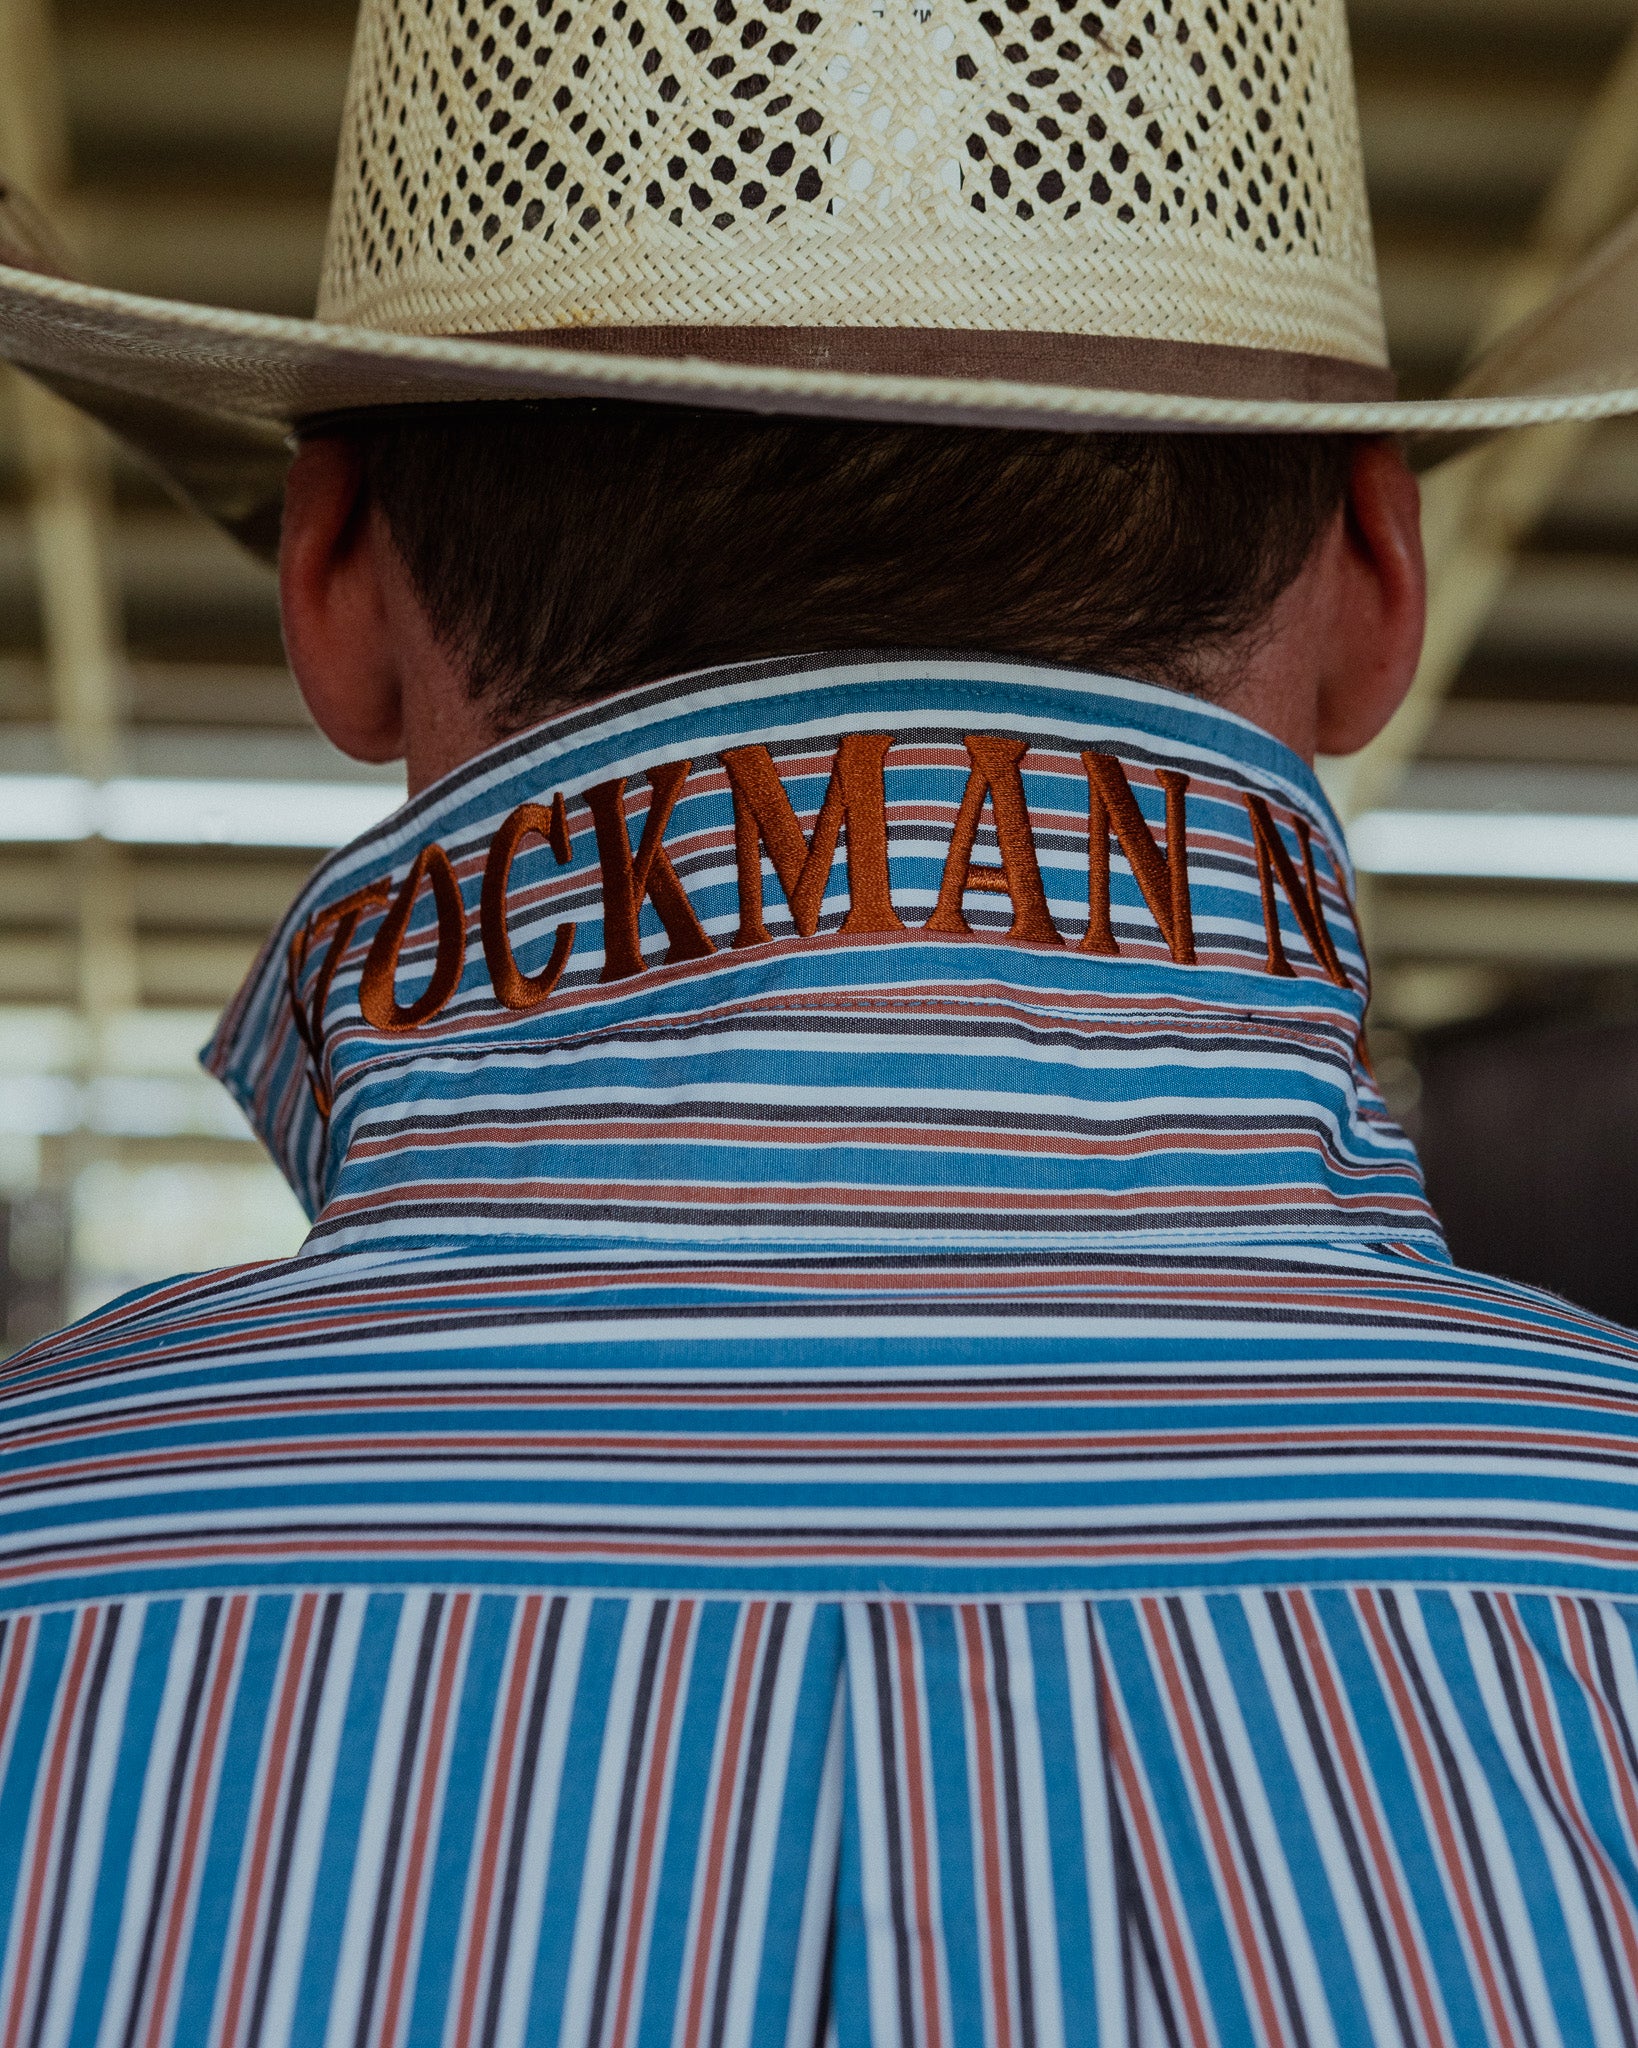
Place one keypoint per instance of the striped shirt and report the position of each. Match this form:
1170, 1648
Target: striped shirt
875, 1443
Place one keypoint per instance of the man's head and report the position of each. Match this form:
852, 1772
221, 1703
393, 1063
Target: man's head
454, 574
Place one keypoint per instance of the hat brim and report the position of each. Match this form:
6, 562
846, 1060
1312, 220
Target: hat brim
210, 395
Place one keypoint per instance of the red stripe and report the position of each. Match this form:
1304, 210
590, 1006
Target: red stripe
272, 1785
871, 1392
744, 1449
921, 1856
903, 1136
1249, 1945
727, 1783
1452, 1862
21, 1636
1460, 1303
499, 1787
432, 1762
1569, 1800
45, 1821
658, 1763
929, 1200
204, 1765
1161, 1889
989, 1829
1186, 1548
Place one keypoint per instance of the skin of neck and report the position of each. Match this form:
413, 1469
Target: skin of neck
1324, 671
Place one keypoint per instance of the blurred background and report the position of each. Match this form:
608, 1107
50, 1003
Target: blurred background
162, 795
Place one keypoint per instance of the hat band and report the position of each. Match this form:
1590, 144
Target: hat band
1091, 362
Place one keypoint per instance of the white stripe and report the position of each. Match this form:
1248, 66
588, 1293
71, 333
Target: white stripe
1517, 1932
529, 1916
110, 1731
881, 1955
1040, 1887
600, 1837
819, 1901
377, 1818
753, 1918
296, 1924
1102, 1894
1291, 1923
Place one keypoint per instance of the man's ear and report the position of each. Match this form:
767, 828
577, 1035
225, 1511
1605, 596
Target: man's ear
335, 607
1378, 601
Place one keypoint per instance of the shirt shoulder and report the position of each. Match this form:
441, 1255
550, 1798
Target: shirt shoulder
982, 1424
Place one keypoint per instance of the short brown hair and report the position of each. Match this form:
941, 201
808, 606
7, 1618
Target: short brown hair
565, 551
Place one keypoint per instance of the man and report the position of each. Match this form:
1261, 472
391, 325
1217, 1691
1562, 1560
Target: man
875, 1440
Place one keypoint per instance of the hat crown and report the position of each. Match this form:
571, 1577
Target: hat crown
1156, 170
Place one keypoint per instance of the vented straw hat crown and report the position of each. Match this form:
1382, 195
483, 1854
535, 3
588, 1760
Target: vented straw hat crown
1037, 188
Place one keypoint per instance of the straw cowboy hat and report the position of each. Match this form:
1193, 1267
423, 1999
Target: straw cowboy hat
1052, 213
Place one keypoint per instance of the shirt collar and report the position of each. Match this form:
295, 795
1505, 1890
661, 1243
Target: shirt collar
838, 950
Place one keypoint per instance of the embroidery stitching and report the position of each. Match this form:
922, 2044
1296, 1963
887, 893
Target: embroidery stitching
627, 881
341, 921
378, 985
1163, 877
855, 796
1273, 862
514, 988
995, 779
765, 819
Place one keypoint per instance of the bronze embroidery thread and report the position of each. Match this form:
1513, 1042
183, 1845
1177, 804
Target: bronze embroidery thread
1163, 877
627, 881
515, 989
856, 796
340, 920
378, 985
995, 779
1274, 863
855, 801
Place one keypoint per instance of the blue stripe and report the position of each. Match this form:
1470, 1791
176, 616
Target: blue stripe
1513, 1808
587, 1727
1310, 1879
1581, 1742
45, 1672
684, 1849
797, 1842
850, 2006
1061, 1763
360, 1728
948, 1744
214, 1917
1134, 1680
476, 1721
153, 1657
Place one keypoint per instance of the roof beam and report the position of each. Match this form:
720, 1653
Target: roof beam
1479, 509
65, 466
1499, 924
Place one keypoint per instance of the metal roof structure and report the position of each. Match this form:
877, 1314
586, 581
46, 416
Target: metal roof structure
153, 751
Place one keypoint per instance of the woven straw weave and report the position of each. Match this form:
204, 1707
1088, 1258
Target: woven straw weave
1156, 169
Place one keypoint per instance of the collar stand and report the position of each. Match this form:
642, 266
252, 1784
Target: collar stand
839, 948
